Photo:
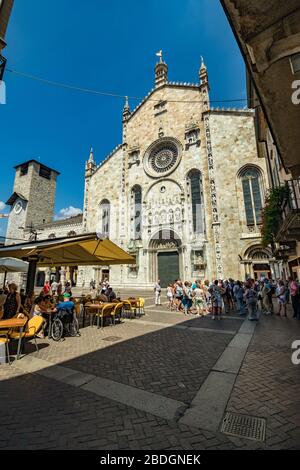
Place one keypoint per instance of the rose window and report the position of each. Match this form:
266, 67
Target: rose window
162, 158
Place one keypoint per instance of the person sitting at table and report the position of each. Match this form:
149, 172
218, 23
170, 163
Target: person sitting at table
40, 308
111, 295
67, 303
102, 297
12, 304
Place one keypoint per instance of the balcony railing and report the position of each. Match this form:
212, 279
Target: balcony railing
290, 212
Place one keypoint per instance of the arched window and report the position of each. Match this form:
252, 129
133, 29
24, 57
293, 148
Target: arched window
252, 195
136, 194
52, 236
72, 233
195, 184
105, 217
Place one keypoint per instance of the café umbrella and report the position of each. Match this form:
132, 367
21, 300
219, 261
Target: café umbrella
80, 250
12, 265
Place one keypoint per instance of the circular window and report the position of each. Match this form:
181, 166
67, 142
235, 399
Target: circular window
162, 157
18, 207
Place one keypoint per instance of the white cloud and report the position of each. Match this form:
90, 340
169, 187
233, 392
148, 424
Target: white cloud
68, 212
2, 205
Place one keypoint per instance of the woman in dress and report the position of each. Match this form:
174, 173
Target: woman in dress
170, 297
199, 299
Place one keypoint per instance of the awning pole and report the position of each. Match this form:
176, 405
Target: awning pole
31, 275
4, 280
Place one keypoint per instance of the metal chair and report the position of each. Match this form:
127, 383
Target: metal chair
128, 310
5, 340
117, 312
106, 311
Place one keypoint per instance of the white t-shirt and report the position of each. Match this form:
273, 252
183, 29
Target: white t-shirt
169, 292
198, 293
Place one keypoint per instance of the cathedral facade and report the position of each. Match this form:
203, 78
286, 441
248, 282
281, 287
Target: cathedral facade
183, 192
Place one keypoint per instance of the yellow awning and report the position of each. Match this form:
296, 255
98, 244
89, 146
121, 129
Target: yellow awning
81, 250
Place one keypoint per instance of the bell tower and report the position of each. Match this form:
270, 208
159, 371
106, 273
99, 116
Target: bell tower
32, 201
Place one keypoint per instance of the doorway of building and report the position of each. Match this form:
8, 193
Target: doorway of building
168, 267
261, 271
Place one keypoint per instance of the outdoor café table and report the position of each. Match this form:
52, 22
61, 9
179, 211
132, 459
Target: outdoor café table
14, 323
96, 307
49, 313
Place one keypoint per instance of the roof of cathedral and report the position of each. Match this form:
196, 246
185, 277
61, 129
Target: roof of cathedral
109, 155
172, 84
75, 219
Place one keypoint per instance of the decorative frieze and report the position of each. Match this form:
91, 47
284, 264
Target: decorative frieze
213, 198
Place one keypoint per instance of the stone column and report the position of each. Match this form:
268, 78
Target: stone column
63, 276
47, 274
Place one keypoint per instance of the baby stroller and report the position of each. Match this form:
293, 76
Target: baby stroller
64, 323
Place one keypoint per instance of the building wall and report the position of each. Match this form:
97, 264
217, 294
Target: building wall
234, 148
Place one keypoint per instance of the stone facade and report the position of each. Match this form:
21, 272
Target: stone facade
219, 144
172, 193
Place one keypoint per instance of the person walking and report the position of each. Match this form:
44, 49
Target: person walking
46, 288
281, 296
265, 291
251, 300
199, 299
216, 300
295, 296
54, 287
239, 296
157, 290
170, 297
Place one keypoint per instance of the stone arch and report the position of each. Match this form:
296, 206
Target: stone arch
248, 166
161, 181
256, 261
257, 252
165, 256
72, 233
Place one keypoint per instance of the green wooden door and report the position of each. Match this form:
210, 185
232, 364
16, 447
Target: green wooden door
168, 267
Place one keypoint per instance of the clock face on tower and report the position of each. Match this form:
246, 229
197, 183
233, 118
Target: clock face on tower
18, 207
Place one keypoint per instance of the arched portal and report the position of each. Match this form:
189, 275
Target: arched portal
257, 262
165, 257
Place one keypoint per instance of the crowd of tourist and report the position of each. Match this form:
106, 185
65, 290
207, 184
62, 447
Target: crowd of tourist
199, 297
220, 297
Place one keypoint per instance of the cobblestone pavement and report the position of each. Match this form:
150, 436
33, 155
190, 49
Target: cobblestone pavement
164, 353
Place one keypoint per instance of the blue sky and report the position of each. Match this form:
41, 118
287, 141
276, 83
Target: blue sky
107, 46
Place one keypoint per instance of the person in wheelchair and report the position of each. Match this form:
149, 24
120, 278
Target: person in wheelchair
65, 321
